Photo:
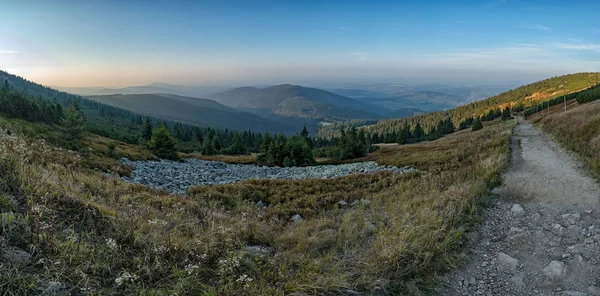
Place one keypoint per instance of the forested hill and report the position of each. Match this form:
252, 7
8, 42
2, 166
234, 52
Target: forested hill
296, 101
517, 99
34, 102
197, 111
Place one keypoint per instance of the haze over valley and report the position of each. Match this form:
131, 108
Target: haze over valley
156, 148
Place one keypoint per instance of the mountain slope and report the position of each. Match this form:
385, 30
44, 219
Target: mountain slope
526, 95
192, 110
423, 100
295, 101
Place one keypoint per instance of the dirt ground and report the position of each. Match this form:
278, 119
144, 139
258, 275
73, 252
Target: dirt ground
542, 236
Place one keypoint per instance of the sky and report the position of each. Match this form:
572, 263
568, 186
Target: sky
120, 43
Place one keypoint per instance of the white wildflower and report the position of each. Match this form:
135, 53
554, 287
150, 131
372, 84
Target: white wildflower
190, 268
157, 222
125, 278
111, 243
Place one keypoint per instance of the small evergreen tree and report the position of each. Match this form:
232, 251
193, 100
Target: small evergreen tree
237, 145
418, 132
163, 144
207, 145
216, 143
306, 137
506, 113
73, 125
477, 125
147, 131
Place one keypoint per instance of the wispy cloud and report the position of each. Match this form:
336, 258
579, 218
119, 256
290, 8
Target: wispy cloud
525, 44
361, 54
539, 27
8, 52
576, 46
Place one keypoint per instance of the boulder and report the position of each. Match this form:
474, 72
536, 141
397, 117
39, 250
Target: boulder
554, 270
296, 218
507, 262
517, 210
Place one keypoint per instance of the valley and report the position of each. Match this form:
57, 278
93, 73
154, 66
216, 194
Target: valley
387, 218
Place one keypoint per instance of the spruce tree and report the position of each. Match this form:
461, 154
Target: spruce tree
477, 125
163, 144
73, 125
147, 131
506, 113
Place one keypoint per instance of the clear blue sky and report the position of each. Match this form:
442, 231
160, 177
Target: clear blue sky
116, 43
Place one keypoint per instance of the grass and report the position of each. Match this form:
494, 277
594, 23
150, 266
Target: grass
96, 235
578, 130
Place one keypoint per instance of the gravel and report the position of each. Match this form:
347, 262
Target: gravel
177, 177
545, 217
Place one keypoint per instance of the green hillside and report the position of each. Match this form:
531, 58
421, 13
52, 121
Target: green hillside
525, 96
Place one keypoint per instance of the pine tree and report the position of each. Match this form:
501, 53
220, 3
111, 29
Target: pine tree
73, 125
207, 145
163, 144
237, 145
506, 113
477, 125
305, 136
216, 143
147, 131
418, 132
266, 142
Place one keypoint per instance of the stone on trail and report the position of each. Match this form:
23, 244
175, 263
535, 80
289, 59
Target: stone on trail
507, 262
554, 270
517, 210
296, 218
574, 293
594, 290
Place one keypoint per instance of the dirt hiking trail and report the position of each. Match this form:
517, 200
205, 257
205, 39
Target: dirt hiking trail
542, 236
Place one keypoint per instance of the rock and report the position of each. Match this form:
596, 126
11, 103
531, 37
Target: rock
517, 280
53, 288
472, 281
554, 270
18, 256
296, 218
588, 211
260, 204
517, 210
574, 293
342, 203
594, 290
507, 262
257, 250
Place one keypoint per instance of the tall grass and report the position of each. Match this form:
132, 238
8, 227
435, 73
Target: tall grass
89, 233
578, 130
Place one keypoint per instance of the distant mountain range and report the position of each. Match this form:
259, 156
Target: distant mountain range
296, 101
202, 112
285, 107
154, 88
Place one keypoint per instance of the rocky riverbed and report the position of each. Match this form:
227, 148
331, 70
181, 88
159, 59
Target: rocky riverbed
177, 177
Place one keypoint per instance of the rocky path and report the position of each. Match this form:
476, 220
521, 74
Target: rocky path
543, 235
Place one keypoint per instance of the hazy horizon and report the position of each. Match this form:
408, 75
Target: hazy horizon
116, 44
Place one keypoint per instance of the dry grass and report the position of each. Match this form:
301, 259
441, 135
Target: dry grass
578, 130
97, 235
